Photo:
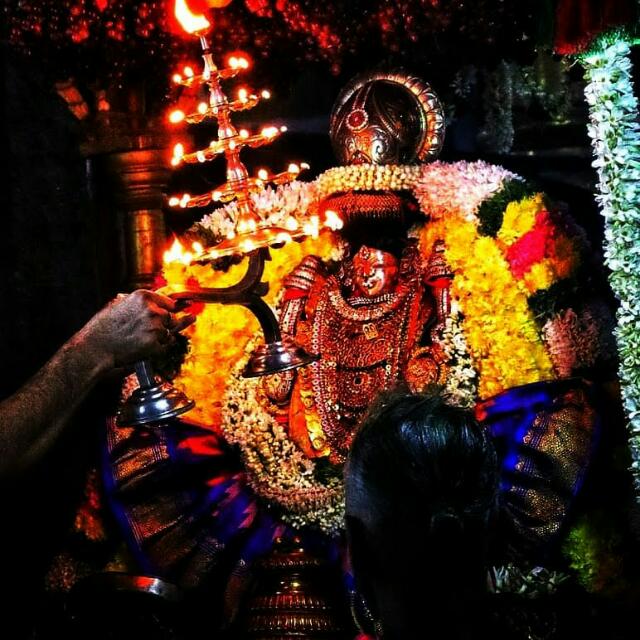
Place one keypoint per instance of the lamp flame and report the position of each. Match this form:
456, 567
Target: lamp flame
191, 22
333, 220
177, 254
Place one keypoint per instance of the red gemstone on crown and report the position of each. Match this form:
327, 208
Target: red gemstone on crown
357, 119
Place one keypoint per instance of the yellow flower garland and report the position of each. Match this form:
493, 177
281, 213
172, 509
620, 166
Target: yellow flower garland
505, 347
520, 217
221, 334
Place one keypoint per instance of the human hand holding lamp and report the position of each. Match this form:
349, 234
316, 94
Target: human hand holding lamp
138, 325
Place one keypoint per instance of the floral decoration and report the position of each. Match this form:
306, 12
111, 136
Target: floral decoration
507, 350
529, 251
461, 385
593, 548
615, 135
277, 468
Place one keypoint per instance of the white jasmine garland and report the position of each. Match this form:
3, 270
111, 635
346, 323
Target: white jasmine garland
274, 206
458, 188
615, 136
440, 188
277, 470
461, 386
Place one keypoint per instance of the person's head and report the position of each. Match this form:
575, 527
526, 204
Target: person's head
421, 482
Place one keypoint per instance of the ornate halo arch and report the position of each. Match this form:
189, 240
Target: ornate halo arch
428, 107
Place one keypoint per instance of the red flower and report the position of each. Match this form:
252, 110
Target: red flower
530, 248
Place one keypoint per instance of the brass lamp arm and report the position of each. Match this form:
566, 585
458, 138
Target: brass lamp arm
249, 285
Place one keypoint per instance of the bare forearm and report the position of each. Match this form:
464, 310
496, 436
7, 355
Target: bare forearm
33, 418
130, 328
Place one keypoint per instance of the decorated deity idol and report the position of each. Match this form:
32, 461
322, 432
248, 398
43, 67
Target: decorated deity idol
369, 321
457, 274
375, 320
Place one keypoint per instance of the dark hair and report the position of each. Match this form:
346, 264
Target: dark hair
421, 485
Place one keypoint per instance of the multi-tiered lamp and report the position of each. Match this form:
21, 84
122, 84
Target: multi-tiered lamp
252, 234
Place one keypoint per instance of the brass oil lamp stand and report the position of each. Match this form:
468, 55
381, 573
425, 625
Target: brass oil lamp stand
155, 402
294, 596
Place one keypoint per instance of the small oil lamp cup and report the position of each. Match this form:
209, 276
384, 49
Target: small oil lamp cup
153, 402
273, 357
278, 353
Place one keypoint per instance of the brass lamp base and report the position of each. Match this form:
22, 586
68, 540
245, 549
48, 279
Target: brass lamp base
273, 357
294, 599
153, 402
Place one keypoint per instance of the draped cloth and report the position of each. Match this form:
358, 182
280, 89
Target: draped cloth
184, 503
545, 435
181, 497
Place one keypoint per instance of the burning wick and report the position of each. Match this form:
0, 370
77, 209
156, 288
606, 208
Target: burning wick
177, 254
191, 22
176, 116
178, 152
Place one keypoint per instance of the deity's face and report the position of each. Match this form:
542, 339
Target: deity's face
375, 272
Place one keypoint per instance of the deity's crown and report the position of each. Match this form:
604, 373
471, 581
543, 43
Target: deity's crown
387, 118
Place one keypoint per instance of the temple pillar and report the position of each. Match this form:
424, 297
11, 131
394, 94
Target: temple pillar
139, 178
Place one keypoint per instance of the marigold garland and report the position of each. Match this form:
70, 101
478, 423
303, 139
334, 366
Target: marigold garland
506, 350
492, 211
518, 218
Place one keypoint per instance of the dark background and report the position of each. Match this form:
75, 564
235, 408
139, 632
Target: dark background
57, 264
